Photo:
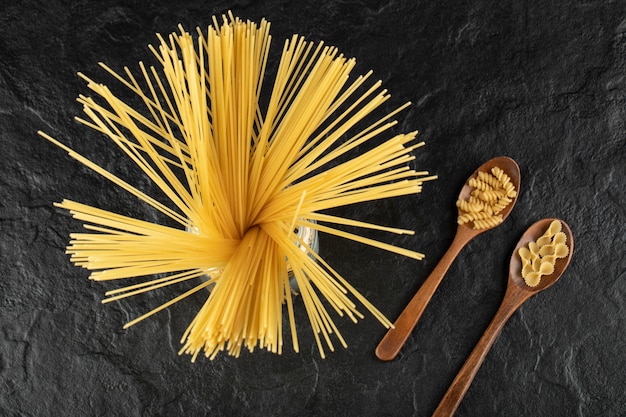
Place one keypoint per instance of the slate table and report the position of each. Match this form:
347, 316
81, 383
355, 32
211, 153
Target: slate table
541, 82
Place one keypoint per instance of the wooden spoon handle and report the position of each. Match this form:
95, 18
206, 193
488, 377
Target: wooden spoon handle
453, 397
395, 338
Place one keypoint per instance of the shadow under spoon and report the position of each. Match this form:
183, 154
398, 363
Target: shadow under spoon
392, 342
517, 292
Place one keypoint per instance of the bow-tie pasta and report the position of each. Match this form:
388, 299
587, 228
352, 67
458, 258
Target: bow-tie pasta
539, 257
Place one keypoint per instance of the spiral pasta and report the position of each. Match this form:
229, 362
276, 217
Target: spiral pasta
488, 222
492, 192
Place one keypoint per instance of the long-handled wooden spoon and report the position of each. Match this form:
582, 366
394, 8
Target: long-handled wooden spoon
395, 338
517, 292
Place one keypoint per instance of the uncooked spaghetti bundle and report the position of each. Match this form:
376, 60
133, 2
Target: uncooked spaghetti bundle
241, 172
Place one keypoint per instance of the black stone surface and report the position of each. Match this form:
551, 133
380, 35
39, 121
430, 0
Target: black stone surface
541, 82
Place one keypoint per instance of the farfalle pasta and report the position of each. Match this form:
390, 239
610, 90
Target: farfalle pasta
539, 257
492, 192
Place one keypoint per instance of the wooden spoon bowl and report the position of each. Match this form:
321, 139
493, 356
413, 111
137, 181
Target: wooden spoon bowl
510, 167
533, 233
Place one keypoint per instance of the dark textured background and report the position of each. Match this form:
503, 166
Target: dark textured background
542, 82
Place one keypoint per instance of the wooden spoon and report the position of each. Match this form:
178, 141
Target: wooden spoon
395, 338
517, 292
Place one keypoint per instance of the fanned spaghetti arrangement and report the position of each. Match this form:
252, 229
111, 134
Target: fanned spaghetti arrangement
241, 181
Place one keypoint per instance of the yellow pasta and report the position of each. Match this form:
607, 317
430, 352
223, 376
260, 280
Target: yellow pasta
524, 254
492, 192
487, 179
501, 204
561, 250
546, 249
554, 228
473, 216
546, 268
500, 175
510, 190
559, 238
470, 206
480, 184
527, 269
544, 240
240, 179
488, 222
538, 257
491, 196
533, 278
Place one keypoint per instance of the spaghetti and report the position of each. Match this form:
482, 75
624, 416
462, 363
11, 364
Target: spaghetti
240, 182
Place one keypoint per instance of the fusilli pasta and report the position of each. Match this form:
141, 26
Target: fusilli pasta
492, 192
